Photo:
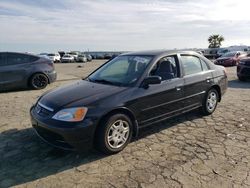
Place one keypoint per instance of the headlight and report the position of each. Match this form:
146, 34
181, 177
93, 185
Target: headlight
242, 62
71, 114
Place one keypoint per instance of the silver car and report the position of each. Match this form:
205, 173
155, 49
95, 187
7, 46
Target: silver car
81, 58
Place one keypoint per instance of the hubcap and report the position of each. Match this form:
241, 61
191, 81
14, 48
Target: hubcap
211, 101
118, 134
39, 81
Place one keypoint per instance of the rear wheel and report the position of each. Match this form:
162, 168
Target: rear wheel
39, 81
114, 134
210, 102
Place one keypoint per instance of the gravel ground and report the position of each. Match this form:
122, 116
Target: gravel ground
187, 151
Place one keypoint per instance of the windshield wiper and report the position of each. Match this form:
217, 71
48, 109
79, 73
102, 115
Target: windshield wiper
103, 81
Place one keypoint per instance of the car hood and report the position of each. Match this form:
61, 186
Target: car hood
224, 58
84, 91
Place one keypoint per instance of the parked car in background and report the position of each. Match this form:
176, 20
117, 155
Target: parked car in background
107, 56
211, 53
45, 55
243, 69
67, 58
243, 48
74, 54
55, 57
89, 57
20, 70
126, 94
81, 58
230, 58
61, 53
222, 51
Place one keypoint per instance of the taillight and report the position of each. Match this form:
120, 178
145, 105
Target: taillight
51, 64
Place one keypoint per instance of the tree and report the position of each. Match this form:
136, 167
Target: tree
215, 41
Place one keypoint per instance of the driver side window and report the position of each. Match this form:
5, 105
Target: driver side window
166, 68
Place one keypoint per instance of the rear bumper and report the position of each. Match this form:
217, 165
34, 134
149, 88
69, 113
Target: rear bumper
52, 76
63, 135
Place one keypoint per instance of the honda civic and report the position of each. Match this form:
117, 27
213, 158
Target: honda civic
129, 92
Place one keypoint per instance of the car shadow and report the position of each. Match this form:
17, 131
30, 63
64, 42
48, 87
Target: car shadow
15, 89
237, 84
25, 158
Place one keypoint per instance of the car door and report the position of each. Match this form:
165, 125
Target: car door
14, 71
197, 80
160, 101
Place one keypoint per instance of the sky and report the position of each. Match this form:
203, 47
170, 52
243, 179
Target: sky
120, 25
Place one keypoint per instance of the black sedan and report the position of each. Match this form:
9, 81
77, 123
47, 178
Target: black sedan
132, 91
243, 69
21, 70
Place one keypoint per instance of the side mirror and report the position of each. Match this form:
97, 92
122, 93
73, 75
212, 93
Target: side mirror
150, 80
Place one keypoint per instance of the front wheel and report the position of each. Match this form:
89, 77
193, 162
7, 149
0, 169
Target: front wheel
210, 102
114, 134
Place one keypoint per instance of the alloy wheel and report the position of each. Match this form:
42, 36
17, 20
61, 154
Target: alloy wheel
39, 81
118, 134
211, 101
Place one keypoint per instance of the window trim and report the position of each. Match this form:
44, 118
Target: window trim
21, 54
184, 74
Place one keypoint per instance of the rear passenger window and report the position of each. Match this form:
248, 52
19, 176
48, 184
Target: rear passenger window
33, 58
16, 58
191, 64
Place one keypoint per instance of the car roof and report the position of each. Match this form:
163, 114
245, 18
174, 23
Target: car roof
22, 53
159, 52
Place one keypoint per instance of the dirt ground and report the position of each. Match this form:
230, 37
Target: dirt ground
187, 151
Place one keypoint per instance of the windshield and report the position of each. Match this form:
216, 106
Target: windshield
51, 54
230, 54
122, 71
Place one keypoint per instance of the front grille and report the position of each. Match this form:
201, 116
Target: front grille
220, 62
48, 135
52, 137
42, 111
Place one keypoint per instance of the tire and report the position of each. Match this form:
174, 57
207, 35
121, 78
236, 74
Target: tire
210, 102
110, 133
241, 78
38, 81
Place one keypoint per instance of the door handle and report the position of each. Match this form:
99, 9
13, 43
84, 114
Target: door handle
178, 87
208, 79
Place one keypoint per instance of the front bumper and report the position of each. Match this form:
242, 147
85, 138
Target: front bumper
67, 60
225, 63
64, 135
